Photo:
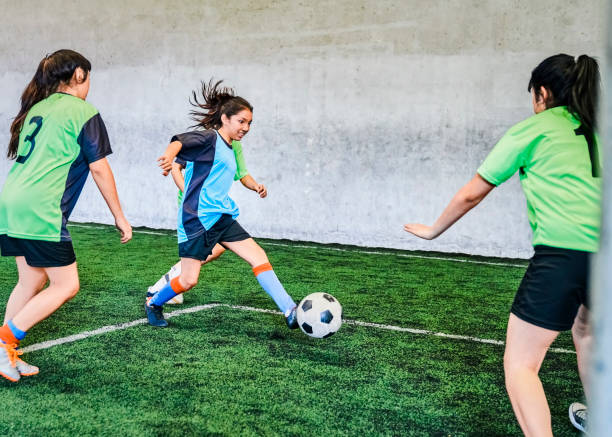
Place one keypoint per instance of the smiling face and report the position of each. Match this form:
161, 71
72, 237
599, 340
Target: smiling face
237, 126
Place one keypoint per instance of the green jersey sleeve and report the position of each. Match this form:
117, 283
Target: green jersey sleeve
510, 153
241, 168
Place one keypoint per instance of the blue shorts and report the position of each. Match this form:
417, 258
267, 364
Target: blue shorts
39, 253
225, 230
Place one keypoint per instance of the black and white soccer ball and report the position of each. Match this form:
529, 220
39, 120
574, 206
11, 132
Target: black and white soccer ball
319, 315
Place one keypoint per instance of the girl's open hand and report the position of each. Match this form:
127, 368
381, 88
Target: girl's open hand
421, 231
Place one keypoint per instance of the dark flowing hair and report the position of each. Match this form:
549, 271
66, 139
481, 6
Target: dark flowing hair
572, 83
53, 69
217, 101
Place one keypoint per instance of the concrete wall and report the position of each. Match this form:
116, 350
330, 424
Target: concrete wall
368, 114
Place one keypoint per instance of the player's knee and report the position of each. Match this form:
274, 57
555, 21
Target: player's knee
70, 290
188, 282
31, 288
580, 328
40, 285
515, 366
259, 258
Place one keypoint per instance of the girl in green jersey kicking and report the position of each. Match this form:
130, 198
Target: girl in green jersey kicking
56, 140
556, 154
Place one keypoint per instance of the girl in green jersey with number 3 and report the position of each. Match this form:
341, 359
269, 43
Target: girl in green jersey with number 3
56, 139
556, 155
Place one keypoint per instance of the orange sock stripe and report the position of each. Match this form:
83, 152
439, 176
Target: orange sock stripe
7, 336
262, 268
176, 286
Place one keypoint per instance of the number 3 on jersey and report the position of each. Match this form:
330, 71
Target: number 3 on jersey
31, 138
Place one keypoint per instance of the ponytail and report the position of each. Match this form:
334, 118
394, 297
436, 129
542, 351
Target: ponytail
217, 101
571, 83
584, 97
53, 69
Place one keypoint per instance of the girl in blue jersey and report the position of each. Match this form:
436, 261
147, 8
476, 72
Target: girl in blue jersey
207, 215
242, 174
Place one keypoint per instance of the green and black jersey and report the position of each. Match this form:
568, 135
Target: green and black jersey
558, 165
61, 136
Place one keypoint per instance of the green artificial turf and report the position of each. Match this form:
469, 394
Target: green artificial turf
224, 371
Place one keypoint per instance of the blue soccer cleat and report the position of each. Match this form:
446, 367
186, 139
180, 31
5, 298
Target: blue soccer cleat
155, 316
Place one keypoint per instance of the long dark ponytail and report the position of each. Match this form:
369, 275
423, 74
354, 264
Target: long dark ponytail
53, 69
217, 101
573, 83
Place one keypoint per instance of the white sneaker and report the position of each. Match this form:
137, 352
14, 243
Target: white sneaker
578, 415
26, 369
177, 300
8, 362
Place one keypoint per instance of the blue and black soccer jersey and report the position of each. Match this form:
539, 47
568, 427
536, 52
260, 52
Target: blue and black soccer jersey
209, 174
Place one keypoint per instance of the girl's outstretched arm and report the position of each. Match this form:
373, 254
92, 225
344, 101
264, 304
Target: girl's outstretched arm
165, 161
466, 198
252, 184
103, 176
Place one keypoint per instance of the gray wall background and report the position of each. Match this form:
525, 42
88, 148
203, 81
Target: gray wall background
368, 114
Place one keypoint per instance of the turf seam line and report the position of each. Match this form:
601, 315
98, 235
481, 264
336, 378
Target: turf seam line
338, 249
403, 255
121, 326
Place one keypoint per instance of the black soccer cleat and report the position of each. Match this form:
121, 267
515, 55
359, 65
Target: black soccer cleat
291, 319
155, 316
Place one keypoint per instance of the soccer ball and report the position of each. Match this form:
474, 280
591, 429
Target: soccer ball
319, 315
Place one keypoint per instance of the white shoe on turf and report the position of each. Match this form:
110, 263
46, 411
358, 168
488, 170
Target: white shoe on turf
26, 369
8, 362
578, 415
177, 300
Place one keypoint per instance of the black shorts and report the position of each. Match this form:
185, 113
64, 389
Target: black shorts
555, 284
39, 253
225, 230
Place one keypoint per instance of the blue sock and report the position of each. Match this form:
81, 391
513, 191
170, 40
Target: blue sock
162, 296
18, 333
274, 288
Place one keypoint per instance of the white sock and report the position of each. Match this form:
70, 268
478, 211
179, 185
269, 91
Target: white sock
174, 271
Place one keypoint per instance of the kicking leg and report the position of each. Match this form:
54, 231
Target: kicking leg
526, 346
190, 271
252, 253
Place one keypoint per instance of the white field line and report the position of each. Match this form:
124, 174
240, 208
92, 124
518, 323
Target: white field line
338, 249
118, 327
